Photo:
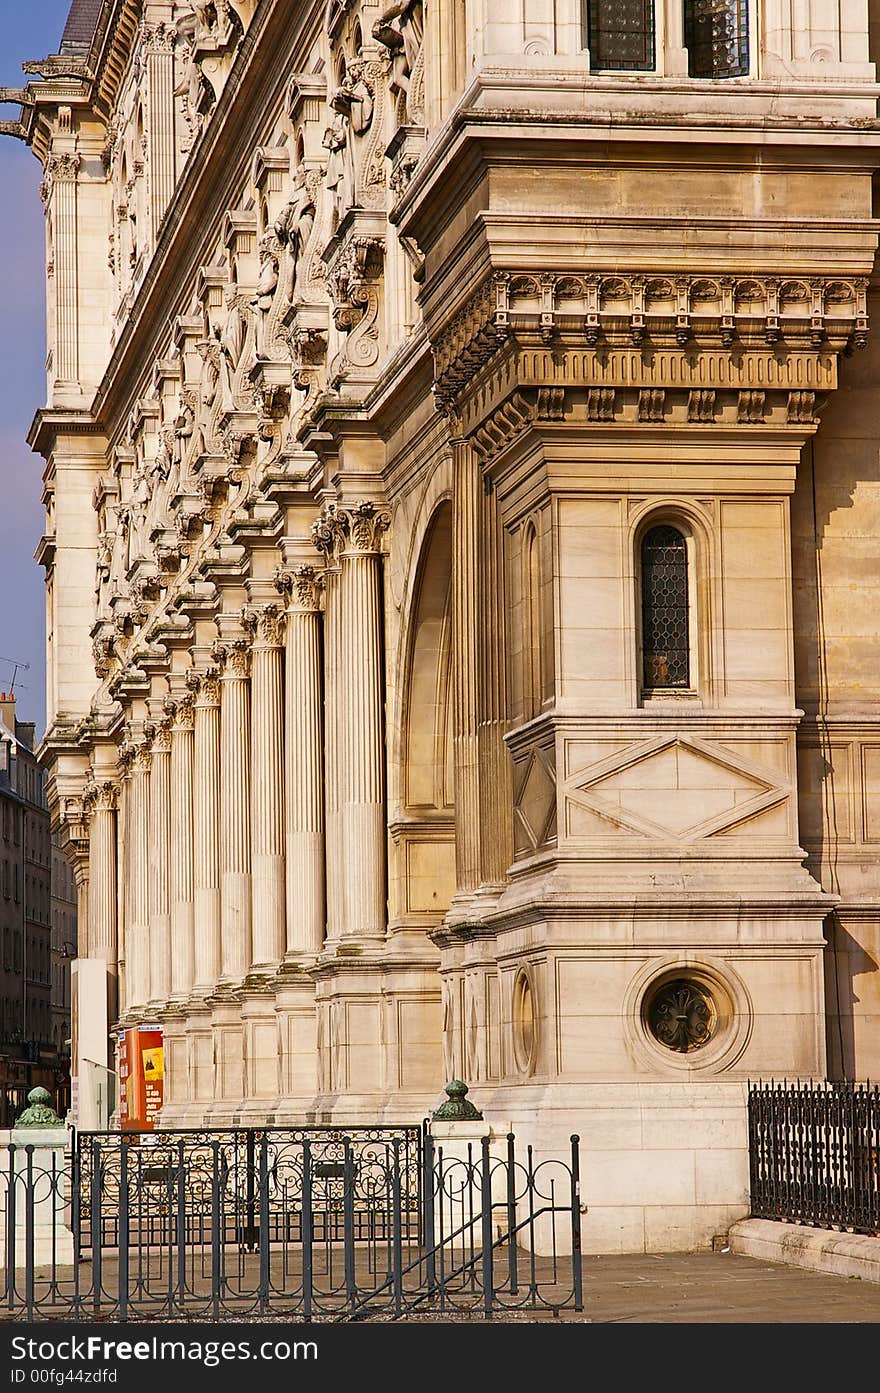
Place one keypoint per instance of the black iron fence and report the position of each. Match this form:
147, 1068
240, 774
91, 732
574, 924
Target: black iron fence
814, 1154
314, 1223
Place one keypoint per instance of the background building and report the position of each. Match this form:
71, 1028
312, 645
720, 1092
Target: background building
27, 1045
462, 520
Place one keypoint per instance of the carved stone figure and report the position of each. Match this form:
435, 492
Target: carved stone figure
231, 343
209, 352
353, 104
159, 472
184, 424
293, 228
139, 503
120, 561
192, 85
263, 296
340, 171
401, 29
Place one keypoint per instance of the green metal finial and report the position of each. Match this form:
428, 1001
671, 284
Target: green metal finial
40, 1113
458, 1109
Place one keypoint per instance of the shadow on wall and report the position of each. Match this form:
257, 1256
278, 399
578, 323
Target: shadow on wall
845, 960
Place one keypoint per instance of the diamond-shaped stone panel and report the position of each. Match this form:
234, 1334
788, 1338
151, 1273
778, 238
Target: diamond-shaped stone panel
537, 800
676, 788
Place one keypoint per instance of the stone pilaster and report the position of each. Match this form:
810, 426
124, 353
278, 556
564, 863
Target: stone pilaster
362, 785
304, 774
182, 883
235, 803
137, 949
324, 536
63, 171
495, 821
266, 624
160, 865
206, 828
159, 56
465, 637
102, 874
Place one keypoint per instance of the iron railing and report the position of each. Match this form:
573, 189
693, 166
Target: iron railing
313, 1223
814, 1154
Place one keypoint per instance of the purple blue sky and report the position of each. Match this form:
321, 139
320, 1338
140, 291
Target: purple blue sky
26, 31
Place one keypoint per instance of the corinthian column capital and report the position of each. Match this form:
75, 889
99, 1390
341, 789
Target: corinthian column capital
364, 526
233, 657
142, 757
180, 711
205, 686
302, 584
265, 624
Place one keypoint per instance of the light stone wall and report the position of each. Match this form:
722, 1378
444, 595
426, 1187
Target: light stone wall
357, 414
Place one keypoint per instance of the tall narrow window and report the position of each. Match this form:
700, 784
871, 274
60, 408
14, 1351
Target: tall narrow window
716, 34
620, 35
665, 629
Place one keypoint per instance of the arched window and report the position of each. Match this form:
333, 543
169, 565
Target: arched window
716, 35
620, 35
665, 619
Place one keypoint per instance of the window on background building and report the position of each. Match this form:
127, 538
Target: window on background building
716, 35
620, 35
665, 619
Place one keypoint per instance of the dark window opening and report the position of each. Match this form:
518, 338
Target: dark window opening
665, 635
620, 35
716, 35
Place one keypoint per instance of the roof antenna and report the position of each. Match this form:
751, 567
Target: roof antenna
16, 664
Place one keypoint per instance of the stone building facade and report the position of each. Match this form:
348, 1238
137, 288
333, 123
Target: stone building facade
461, 562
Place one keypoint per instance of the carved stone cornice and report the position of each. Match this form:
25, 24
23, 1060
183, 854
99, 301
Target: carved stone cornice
303, 586
655, 331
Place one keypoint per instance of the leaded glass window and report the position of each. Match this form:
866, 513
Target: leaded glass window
665, 629
716, 34
620, 35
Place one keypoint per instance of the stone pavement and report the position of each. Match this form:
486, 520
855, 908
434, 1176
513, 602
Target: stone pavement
719, 1287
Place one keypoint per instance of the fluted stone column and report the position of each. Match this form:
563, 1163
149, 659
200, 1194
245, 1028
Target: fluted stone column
102, 874
266, 624
123, 875
324, 536
465, 637
495, 769
304, 774
235, 803
206, 828
362, 783
137, 948
160, 866
182, 892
